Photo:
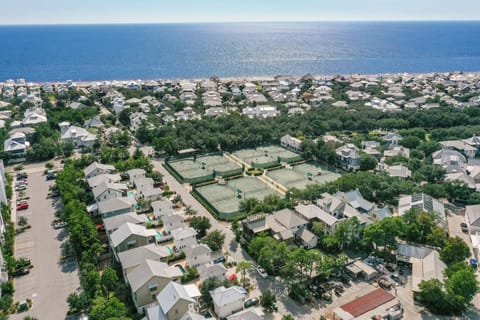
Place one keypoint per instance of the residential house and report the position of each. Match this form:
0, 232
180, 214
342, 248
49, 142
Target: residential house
184, 237
355, 199
472, 218
248, 314
129, 236
313, 213
422, 202
94, 122
461, 146
115, 206
132, 258
426, 264
107, 190
76, 105
254, 225
339, 208
95, 169
291, 143
306, 238
215, 112
285, 223
197, 254
16, 146
103, 178
398, 171
261, 111
348, 157
136, 120
162, 208
396, 150
212, 270
172, 222
79, 137
392, 138
452, 161
148, 279
33, 116
135, 174
174, 302
227, 301
114, 222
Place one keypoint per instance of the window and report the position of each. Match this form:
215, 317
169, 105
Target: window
131, 243
153, 287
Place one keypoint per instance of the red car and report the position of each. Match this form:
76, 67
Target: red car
22, 206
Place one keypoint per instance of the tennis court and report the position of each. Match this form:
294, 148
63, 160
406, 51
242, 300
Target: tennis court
225, 198
301, 175
266, 156
203, 166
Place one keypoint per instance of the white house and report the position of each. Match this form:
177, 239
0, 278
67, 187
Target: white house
212, 270
291, 143
172, 222
79, 137
227, 301
184, 237
472, 218
107, 190
95, 169
197, 254
135, 174
16, 146
162, 208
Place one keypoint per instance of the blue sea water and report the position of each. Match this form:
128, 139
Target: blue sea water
105, 52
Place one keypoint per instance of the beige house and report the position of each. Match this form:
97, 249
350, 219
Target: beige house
148, 279
131, 259
129, 236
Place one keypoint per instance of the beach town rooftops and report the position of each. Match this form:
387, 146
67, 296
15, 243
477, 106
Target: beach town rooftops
312, 211
183, 233
115, 204
289, 218
104, 168
248, 314
171, 294
114, 222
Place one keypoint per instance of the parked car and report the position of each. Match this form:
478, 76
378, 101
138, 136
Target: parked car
22, 206
219, 260
396, 278
21, 187
251, 302
21, 272
262, 272
59, 225
51, 176
22, 175
464, 227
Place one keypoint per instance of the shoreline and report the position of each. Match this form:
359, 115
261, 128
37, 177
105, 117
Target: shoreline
240, 78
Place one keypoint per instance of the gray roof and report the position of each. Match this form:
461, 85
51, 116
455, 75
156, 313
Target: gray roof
411, 251
104, 186
210, 270
115, 204
473, 214
171, 294
222, 296
127, 229
97, 180
312, 211
149, 269
183, 233
197, 250
248, 314
356, 200
289, 218
306, 235
114, 222
136, 256
95, 165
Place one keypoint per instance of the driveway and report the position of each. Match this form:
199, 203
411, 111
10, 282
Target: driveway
49, 283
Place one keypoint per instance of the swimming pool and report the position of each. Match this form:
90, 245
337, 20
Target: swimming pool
159, 235
131, 194
180, 267
170, 251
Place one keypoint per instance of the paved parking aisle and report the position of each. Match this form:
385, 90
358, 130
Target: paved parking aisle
48, 283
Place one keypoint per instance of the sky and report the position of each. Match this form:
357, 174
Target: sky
173, 11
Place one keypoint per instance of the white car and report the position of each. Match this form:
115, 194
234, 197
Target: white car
262, 272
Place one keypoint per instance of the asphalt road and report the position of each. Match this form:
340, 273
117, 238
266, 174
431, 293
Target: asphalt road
48, 283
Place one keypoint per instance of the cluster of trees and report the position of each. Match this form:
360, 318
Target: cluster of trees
97, 296
213, 239
455, 294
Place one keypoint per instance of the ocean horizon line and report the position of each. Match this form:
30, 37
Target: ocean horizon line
238, 22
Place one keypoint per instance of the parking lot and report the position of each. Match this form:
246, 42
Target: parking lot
49, 283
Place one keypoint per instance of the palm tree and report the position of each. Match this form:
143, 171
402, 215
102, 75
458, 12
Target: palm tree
242, 267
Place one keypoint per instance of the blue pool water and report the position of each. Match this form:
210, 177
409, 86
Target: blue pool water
180, 267
131, 194
170, 251
159, 235
106, 52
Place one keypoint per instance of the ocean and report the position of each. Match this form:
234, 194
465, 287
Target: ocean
158, 51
